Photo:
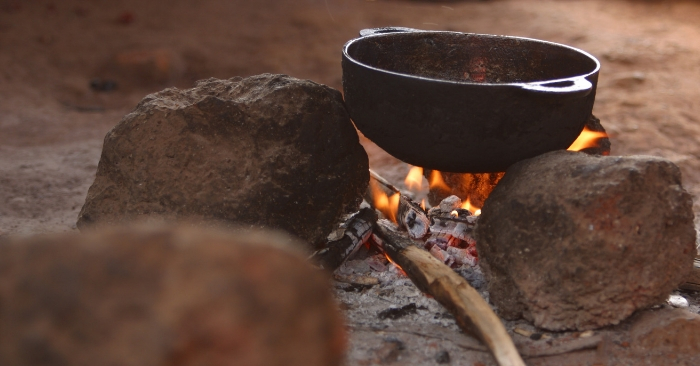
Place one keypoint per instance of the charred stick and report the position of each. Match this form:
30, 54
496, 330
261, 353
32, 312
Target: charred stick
452, 291
357, 230
410, 215
383, 181
413, 218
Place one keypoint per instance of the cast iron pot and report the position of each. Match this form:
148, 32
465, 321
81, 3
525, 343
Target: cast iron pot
462, 102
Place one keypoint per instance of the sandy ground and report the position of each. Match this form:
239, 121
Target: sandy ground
52, 122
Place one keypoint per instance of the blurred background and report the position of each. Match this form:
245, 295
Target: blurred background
71, 69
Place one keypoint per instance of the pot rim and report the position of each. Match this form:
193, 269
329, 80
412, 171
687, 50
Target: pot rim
395, 31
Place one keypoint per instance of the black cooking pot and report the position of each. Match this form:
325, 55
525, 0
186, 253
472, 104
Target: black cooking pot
462, 102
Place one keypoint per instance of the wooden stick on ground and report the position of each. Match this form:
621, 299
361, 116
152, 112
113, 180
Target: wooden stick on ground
452, 291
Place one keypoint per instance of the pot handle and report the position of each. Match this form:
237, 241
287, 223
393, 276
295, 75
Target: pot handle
382, 30
577, 87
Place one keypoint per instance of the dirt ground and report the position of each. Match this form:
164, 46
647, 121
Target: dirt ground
52, 122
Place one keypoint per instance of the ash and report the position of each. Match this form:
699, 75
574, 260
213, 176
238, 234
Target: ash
390, 320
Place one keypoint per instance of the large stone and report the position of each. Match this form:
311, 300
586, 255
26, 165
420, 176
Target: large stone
667, 334
159, 296
572, 241
268, 150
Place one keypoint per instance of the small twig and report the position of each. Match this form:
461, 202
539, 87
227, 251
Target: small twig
383, 181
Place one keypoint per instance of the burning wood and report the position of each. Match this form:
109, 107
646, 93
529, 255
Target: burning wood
352, 234
451, 231
410, 217
449, 225
452, 291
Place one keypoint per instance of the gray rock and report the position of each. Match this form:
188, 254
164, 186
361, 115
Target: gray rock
572, 241
161, 296
268, 150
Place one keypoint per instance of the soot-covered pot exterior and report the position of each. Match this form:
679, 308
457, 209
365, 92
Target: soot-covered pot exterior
460, 102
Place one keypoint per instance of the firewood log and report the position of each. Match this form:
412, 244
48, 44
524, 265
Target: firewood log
356, 230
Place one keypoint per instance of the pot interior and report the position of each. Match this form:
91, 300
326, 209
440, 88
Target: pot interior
471, 58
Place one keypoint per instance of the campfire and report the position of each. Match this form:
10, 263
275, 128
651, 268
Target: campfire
446, 228
444, 231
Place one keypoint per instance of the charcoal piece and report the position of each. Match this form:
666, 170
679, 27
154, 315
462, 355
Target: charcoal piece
352, 287
390, 350
356, 230
450, 203
573, 241
266, 151
396, 313
165, 296
413, 218
442, 357
461, 256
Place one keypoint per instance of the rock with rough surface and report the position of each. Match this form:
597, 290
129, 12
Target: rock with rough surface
159, 296
268, 150
667, 336
572, 241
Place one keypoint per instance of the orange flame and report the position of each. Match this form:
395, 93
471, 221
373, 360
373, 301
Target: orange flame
414, 179
388, 205
395, 264
587, 139
473, 209
436, 181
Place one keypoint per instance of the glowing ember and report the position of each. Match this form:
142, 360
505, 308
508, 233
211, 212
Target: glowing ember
587, 139
414, 179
